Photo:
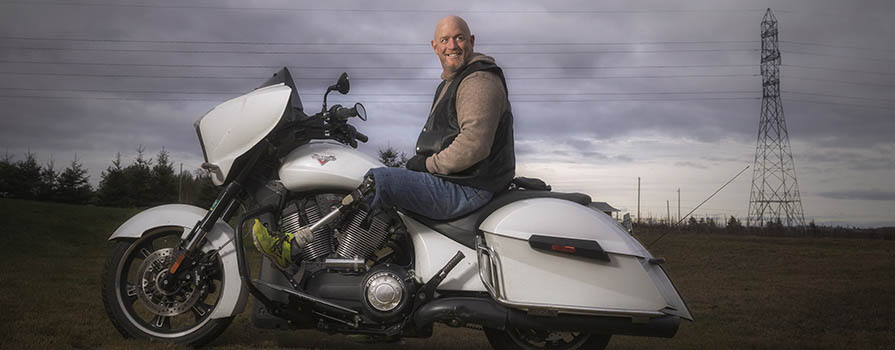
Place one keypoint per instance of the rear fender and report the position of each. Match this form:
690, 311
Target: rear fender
233, 294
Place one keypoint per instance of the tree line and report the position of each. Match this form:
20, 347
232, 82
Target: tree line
142, 183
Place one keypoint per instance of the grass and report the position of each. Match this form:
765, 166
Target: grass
744, 291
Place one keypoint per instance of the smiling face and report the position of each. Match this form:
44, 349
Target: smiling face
453, 43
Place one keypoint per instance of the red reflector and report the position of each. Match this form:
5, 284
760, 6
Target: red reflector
563, 248
176, 264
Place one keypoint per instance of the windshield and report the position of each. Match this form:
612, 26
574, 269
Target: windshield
284, 77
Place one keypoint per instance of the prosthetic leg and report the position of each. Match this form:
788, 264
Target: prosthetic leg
305, 235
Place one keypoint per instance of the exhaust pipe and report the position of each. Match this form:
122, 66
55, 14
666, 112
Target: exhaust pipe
488, 313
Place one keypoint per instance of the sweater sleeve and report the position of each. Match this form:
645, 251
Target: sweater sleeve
481, 100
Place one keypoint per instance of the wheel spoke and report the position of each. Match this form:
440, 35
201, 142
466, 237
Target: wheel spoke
161, 322
130, 293
200, 310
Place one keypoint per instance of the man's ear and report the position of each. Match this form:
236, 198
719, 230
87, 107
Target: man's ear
472, 40
433, 46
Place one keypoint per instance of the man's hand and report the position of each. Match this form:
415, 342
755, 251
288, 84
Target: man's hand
417, 163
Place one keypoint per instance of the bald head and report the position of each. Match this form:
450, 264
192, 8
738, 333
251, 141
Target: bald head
453, 43
451, 21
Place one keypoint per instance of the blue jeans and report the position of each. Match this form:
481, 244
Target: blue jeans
425, 194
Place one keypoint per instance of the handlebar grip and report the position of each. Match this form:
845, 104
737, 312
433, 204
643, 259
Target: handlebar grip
342, 113
361, 137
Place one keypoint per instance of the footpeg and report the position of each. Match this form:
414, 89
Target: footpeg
427, 292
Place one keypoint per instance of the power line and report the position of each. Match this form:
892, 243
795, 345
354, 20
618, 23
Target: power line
366, 67
371, 78
838, 56
837, 69
92, 49
381, 94
887, 108
841, 81
389, 101
257, 43
840, 96
399, 11
428, 102
836, 46
108, 98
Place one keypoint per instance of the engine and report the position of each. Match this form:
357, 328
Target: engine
358, 235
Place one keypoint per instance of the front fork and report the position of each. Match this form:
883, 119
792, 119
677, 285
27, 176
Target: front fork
224, 207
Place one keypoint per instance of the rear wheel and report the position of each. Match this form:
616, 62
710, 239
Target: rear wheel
140, 309
529, 339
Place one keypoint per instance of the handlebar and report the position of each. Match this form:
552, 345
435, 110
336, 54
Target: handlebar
343, 113
361, 137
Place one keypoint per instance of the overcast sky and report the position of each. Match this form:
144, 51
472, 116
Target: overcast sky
602, 92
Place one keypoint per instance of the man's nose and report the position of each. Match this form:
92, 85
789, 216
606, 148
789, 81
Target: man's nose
452, 43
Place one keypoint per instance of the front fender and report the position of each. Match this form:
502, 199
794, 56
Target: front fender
233, 294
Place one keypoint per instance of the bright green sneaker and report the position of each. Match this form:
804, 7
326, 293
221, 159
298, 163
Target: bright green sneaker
275, 246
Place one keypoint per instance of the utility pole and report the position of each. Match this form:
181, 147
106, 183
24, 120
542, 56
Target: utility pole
678, 204
638, 199
668, 209
775, 191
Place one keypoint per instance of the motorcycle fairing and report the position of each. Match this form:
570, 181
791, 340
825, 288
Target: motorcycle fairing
232, 128
233, 293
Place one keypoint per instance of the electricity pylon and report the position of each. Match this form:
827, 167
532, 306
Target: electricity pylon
775, 191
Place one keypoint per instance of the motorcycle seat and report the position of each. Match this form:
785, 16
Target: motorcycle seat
465, 228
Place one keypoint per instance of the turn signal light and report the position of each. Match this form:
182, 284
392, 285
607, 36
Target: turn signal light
563, 248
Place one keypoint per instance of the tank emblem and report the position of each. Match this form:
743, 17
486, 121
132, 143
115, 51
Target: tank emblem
323, 159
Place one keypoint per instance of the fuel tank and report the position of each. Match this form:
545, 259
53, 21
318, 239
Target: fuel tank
325, 166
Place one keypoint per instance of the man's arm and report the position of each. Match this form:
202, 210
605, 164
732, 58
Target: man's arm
481, 100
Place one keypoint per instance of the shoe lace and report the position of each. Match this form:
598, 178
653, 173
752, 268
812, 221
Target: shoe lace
278, 243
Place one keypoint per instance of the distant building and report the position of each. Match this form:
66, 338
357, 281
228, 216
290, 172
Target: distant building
604, 207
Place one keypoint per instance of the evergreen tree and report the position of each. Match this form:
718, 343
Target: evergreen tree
734, 225
73, 184
138, 177
7, 171
392, 158
24, 181
164, 182
207, 191
112, 189
49, 182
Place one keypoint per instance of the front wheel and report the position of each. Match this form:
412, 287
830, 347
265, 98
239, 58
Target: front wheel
140, 309
528, 339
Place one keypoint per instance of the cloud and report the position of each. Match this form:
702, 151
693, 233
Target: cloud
872, 195
691, 165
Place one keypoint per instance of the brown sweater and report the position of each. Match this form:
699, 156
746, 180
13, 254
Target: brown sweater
481, 100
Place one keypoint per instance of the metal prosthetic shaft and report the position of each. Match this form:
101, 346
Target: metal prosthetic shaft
305, 235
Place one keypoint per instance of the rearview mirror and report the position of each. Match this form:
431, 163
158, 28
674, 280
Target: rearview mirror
342, 85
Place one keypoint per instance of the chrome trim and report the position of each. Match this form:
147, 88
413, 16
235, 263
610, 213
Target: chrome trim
481, 249
496, 287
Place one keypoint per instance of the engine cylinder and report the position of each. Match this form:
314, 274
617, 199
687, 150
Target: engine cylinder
360, 235
306, 212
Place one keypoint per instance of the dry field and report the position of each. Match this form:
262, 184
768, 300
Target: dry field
744, 291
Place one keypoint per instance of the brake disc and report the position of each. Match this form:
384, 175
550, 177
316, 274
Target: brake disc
160, 302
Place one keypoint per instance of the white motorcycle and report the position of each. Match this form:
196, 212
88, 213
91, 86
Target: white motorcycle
534, 269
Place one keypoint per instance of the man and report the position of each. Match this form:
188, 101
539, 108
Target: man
464, 153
